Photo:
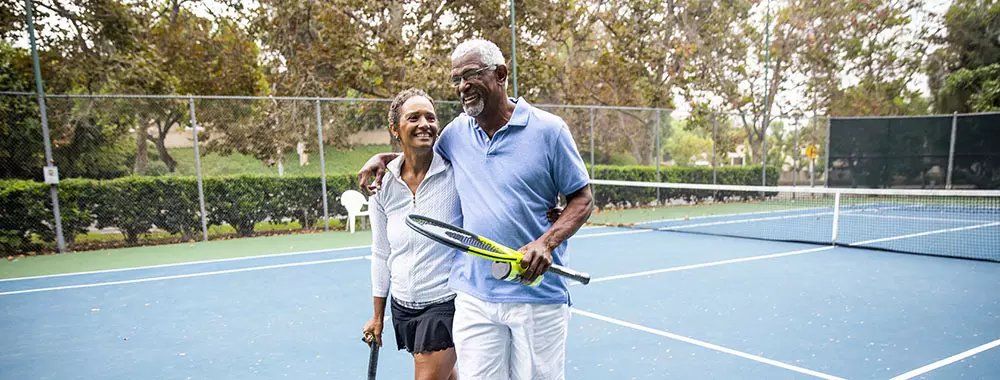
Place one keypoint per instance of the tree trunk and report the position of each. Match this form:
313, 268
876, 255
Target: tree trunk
161, 147
141, 151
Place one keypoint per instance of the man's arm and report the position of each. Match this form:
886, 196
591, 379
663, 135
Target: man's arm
538, 254
375, 167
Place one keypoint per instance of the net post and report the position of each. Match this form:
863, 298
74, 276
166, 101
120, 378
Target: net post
836, 216
197, 166
951, 150
826, 162
322, 166
715, 128
40, 92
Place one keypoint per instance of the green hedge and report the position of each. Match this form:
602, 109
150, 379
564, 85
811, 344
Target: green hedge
624, 196
134, 205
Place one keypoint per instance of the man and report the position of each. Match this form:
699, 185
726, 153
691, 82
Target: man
511, 162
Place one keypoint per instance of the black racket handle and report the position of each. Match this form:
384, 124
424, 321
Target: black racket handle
583, 278
372, 358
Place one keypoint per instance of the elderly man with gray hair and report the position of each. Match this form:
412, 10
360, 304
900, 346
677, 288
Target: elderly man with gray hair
511, 163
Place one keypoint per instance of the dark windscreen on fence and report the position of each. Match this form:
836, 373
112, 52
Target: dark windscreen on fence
914, 152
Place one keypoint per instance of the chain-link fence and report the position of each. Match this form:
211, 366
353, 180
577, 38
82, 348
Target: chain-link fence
927, 152
152, 169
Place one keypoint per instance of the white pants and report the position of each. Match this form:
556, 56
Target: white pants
509, 340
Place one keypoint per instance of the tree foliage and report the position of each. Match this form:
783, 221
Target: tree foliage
961, 77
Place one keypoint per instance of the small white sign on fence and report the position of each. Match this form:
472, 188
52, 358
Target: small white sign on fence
51, 175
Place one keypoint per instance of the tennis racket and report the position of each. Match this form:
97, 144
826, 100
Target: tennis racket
373, 356
471, 243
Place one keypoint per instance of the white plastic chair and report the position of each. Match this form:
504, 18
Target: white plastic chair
353, 201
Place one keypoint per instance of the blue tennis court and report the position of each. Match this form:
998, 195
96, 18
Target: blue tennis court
663, 304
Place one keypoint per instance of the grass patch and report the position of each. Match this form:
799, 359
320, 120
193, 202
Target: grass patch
338, 161
109, 240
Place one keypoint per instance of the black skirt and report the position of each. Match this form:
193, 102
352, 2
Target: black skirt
423, 330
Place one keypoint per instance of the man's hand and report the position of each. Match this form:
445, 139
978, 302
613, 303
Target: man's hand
375, 167
537, 259
373, 330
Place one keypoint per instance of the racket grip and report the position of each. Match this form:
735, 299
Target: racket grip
583, 278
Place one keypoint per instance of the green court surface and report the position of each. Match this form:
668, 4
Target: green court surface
178, 253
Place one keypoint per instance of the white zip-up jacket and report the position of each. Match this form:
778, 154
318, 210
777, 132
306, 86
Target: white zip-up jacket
413, 267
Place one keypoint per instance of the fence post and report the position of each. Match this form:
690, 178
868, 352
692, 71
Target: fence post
812, 160
795, 153
656, 154
197, 167
592, 144
715, 142
951, 149
51, 172
763, 151
826, 162
322, 167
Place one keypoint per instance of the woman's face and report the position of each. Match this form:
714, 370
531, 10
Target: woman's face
418, 125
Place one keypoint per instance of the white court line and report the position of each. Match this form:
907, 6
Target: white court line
947, 361
725, 222
629, 232
189, 275
917, 218
705, 345
741, 214
720, 223
925, 233
186, 263
711, 264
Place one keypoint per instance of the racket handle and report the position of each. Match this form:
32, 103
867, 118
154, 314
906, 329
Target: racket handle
373, 360
583, 278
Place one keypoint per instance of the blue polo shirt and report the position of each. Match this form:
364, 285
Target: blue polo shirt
506, 185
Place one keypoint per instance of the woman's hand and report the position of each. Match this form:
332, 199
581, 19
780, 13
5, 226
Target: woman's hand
373, 330
553, 214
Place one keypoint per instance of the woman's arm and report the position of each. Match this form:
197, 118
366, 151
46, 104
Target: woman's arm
373, 328
381, 275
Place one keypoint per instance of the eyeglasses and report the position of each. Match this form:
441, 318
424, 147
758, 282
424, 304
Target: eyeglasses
469, 75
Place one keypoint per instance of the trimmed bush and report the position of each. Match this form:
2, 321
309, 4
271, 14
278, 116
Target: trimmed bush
135, 205
625, 196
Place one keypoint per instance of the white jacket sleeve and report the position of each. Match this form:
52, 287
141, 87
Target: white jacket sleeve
380, 248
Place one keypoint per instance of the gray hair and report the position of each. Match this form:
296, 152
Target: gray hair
488, 51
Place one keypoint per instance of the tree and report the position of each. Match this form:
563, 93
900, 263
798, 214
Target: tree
687, 147
195, 55
74, 37
971, 41
21, 148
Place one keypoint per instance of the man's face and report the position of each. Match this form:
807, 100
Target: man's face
476, 84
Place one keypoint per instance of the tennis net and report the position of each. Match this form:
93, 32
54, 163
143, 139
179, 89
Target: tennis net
952, 223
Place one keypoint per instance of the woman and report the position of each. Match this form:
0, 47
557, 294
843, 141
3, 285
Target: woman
415, 268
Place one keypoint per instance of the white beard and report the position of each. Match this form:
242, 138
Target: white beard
475, 109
